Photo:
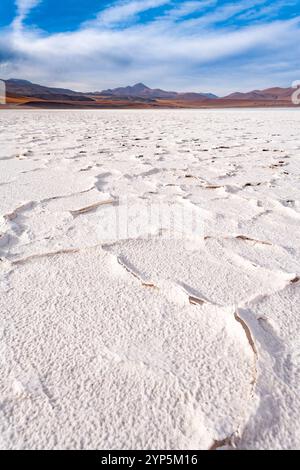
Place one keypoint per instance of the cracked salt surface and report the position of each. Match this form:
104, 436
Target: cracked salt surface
148, 338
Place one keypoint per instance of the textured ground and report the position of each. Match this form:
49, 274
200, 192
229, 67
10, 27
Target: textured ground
149, 289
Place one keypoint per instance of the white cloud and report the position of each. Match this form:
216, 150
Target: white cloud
23, 8
224, 13
189, 7
126, 10
169, 53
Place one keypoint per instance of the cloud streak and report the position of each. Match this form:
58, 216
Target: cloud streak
124, 11
23, 9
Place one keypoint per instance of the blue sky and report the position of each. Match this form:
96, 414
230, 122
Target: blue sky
197, 45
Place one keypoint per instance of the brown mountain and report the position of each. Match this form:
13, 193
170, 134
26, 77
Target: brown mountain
23, 88
270, 94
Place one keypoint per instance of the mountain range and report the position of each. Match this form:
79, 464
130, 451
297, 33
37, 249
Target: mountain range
142, 91
24, 93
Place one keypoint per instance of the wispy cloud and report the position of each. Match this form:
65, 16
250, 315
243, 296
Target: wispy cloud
224, 13
269, 10
123, 11
23, 8
187, 8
